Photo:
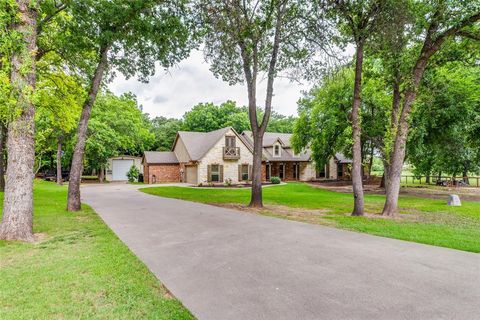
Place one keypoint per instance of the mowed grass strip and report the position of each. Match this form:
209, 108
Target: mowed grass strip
422, 220
78, 269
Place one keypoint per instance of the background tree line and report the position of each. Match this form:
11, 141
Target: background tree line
77, 47
118, 126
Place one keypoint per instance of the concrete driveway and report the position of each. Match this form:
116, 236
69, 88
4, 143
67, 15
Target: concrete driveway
225, 264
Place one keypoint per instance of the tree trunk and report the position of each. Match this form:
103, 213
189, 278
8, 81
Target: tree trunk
397, 157
382, 182
357, 183
370, 164
465, 176
101, 174
256, 200
431, 45
76, 168
17, 221
59, 161
3, 141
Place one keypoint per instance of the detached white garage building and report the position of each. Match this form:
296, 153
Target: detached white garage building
118, 167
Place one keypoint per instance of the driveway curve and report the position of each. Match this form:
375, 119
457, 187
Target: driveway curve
225, 264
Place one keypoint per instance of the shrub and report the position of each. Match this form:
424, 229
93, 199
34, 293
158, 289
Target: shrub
133, 174
228, 182
275, 180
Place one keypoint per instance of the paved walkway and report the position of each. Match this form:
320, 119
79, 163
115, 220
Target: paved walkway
224, 264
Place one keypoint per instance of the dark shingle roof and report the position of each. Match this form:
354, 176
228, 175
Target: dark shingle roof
342, 159
198, 143
160, 157
269, 139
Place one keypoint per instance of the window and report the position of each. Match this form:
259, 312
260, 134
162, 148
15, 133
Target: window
245, 170
339, 170
215, 173
276, 150
230, 141
321, 173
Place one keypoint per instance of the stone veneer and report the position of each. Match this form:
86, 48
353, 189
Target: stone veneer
230, 167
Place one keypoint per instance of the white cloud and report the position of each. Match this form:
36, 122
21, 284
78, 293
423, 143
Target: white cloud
173, 93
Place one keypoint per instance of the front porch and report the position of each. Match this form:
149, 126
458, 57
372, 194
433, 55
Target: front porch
286, 171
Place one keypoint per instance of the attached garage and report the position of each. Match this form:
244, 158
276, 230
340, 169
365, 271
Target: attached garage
160, 167
118, 167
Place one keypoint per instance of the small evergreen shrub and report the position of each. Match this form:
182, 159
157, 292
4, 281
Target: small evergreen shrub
133, 174
275, 180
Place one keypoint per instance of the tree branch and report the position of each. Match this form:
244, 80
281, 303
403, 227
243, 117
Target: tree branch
45, 20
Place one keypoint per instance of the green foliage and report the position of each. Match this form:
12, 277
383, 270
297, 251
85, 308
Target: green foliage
443, 136
206, 117
165, 131
133, 174
117, 127
136, 33
275, 180
240, 35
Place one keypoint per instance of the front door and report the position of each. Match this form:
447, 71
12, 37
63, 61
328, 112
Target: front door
282, 171
296, 171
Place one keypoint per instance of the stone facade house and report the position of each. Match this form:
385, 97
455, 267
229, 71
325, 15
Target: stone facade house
224, 156
280, 160
201, 157
337, 168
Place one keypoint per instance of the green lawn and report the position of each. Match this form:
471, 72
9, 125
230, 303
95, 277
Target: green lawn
80, 270
422, 220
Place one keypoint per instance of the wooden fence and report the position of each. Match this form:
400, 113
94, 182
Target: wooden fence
449, 181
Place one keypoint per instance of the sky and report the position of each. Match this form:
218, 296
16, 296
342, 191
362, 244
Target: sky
176, 91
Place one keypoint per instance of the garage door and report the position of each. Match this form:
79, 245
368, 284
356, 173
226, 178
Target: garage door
120, 169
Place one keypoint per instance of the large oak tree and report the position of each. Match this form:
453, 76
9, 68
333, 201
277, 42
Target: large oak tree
435, 23
247, 39
124, 36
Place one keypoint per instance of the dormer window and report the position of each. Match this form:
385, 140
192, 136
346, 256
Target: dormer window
277, 150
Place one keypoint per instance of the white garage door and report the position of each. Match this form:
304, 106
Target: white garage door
120, 169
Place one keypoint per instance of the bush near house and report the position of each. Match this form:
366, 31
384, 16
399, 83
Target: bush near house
275, 180
133, 174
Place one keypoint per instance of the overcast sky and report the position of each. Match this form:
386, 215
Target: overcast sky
191, 82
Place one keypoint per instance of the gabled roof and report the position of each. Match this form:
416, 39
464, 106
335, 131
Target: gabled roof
199, 143
269, 139
160, 157
340, 157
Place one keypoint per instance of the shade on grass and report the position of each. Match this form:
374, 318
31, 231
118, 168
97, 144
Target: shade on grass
80, 270
423, 220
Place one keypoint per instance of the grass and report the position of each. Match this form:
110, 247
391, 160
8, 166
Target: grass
422, 220
79, 270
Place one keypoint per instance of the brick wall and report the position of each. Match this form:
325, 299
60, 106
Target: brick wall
162, 173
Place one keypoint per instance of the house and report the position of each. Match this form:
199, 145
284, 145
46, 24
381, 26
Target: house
337, 168
201, 157
225, 156
117, 167
280, 160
